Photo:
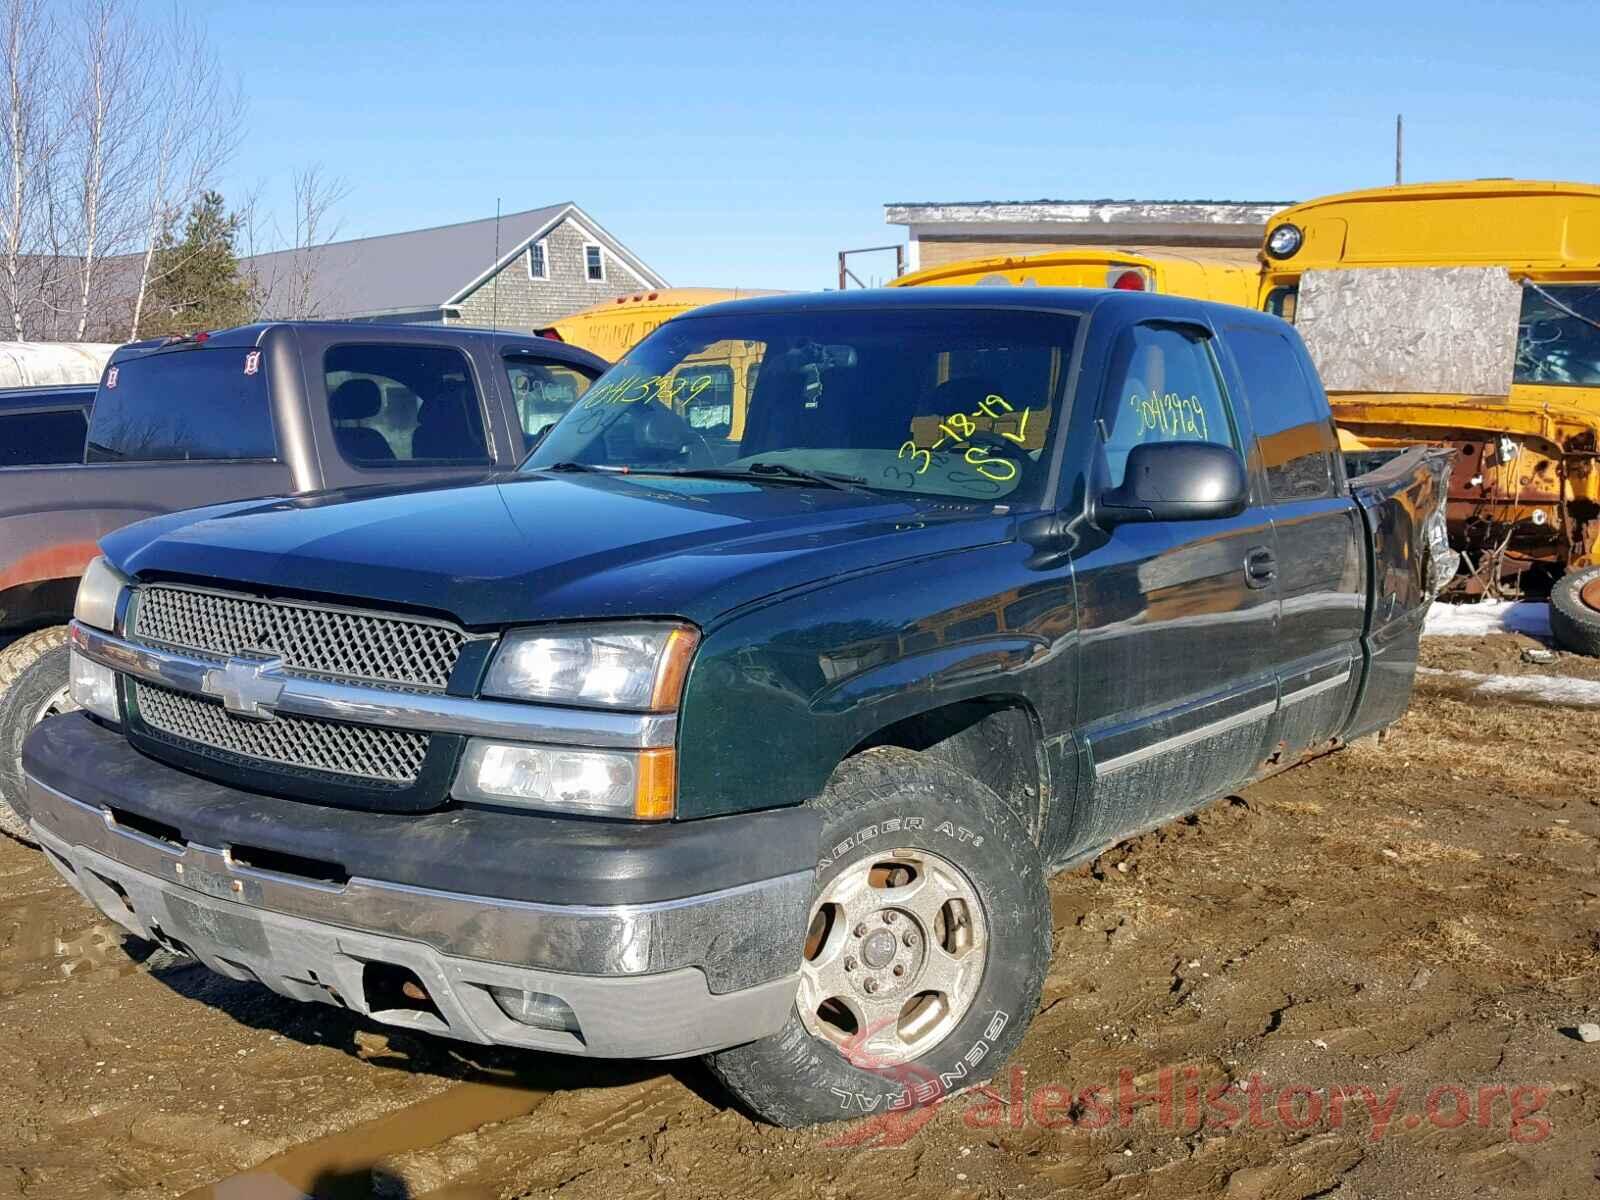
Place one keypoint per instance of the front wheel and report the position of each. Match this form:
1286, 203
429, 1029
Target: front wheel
33, 686
1575, 611
927, 946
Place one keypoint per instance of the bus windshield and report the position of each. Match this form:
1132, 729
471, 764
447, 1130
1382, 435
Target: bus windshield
1558, 335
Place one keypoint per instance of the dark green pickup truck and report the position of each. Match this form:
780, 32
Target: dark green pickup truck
745, 721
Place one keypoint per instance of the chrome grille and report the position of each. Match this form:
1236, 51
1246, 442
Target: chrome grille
367, 751
328, 643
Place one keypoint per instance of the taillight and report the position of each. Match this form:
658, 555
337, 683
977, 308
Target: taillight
1128, 281
550, 333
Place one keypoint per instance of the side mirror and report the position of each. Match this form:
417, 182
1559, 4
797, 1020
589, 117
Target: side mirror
1176, 481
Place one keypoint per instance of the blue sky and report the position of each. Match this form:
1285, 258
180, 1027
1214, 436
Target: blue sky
738, 143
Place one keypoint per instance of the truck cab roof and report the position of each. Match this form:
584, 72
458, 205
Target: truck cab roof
1071, 301
258, 334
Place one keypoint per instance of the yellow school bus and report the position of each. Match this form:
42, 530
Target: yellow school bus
1505, 270
711, 389
1200, 273
614, 327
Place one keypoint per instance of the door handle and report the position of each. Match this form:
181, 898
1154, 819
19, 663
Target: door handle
1260, 567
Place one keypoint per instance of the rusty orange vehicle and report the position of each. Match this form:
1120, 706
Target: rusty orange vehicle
1467, 313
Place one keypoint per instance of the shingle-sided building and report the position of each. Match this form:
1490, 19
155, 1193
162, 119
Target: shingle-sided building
538, 266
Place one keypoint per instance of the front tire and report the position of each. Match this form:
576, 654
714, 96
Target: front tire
928, 944
33, 686
1575, 611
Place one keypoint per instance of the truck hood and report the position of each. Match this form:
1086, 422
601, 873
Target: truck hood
514, 549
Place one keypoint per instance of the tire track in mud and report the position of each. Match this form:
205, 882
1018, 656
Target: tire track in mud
430, 1148
346, 1165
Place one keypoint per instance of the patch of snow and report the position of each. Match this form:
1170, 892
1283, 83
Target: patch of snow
1542, 689
1487, 616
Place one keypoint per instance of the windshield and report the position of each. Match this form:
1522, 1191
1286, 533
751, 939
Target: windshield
941, 402
1558, 335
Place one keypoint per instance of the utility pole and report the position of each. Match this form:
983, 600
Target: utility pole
1399, 148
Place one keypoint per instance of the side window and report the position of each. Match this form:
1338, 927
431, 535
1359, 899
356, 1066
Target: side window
49, 437
1280, 302
543, 392
1166, 390
1293, 428
399, 405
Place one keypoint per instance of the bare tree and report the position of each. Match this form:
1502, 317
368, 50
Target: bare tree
115, 119
290, 286
197, 127
28, 139
112, 124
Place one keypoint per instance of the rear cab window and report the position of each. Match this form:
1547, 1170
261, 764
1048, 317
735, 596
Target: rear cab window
36, 438
400, 405
196, 404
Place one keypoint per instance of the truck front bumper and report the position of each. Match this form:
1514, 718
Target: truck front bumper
164, 855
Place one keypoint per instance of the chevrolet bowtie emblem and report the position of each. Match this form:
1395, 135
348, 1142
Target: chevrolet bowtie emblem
247, 687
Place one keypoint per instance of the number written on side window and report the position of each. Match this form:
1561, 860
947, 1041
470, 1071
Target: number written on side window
1167, 390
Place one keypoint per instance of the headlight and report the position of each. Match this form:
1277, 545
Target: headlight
98, 592
1283, 241
605, 783
92, 686
636, 666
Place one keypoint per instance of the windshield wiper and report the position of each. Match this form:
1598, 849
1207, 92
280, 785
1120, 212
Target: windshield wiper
773, 472
763, 471
578, 466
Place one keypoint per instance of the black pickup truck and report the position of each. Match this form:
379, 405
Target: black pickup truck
255, 411
755, 736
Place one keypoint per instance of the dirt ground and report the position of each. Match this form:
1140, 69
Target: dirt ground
1411, 927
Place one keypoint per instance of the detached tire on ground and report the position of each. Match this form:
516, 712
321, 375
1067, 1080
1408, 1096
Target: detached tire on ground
33, 686
1575, 611
928, 944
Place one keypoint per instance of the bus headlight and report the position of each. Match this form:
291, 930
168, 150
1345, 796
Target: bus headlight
1284, 241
